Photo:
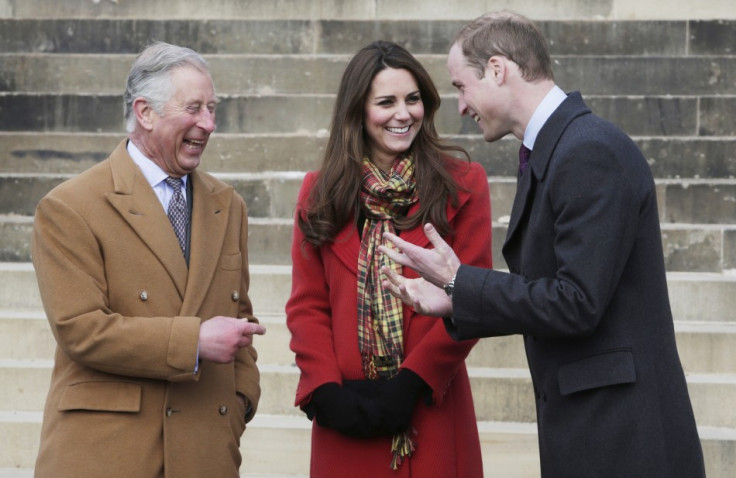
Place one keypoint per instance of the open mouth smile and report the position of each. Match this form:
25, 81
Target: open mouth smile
398, 130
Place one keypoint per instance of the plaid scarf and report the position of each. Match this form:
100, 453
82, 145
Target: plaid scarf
383, 197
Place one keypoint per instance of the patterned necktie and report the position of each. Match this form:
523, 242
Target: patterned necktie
524, 154
178, 213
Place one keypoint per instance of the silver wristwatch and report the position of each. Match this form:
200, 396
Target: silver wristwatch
450, 286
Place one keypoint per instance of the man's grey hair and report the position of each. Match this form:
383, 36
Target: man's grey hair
150, 77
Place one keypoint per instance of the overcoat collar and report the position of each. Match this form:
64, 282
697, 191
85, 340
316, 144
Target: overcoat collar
346, 245
539, 160
137, 204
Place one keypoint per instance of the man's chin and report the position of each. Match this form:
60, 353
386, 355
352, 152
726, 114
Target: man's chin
188, 164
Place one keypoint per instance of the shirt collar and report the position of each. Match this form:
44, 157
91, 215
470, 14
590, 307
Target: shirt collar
549, 104
151, 171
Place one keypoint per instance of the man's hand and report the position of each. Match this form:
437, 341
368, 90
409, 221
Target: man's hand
424, 297
220, 338
437, 265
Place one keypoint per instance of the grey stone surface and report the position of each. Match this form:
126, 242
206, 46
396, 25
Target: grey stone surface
689, 157
649, 115
694, 250
701, 203
379, 9
79, 35
686, 249
717, 116
638, 116
651, 38
729, 249
647, 75
19, 194
320, 74
71, 153
713, 37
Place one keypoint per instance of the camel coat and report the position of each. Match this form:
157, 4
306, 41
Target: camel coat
322, 318
124, 399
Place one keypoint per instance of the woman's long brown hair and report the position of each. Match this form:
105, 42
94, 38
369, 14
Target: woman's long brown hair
334, 199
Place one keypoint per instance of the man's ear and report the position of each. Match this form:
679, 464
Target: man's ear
144, 114
496, 68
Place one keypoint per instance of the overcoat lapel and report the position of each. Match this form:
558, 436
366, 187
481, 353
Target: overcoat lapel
137, 204
523, 198
210, 215
539, 160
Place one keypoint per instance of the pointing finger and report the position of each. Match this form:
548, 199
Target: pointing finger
250, 328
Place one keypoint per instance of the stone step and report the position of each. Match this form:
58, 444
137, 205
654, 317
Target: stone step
267, 36
509, 449
694, 297
501, 394
261, 74
687, 248
72, 152
337, 9
273, 194
661, 115
705, 347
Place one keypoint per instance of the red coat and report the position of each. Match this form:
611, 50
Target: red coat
322, 317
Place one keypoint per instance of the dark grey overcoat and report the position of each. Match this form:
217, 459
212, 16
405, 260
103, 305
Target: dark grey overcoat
587, 289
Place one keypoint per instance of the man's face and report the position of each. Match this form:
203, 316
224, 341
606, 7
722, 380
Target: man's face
177, 139
478, 98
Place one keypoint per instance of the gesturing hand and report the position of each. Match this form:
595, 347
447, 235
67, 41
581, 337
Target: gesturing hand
220, 338
424, 297
437, 265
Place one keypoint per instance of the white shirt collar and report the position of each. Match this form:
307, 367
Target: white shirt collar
549, 104
151, 171
155, 176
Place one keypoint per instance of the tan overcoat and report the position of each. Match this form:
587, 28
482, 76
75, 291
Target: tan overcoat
124, 399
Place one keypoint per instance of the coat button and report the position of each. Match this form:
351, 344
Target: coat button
235, 296
170, 411
223, 410
143, 295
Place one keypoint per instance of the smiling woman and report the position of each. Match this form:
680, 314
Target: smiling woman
393, 115
371, 368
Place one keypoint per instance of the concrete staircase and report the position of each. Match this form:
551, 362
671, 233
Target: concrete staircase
667, 77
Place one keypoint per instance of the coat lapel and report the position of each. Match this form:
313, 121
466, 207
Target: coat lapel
346, 246
521, 199
539, 160
210, 215
137, 204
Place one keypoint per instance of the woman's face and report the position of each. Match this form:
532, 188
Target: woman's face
393, 115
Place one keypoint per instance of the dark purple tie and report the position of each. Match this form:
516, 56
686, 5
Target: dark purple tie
178, 213
524, 153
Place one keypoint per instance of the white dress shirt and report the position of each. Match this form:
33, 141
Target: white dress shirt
155, 176
549, 104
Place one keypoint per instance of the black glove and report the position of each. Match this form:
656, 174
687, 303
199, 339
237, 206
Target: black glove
369, 389
343, 410
397, 400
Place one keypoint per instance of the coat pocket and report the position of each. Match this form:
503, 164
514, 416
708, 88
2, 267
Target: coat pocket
102, 396
231, 262
609, 368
